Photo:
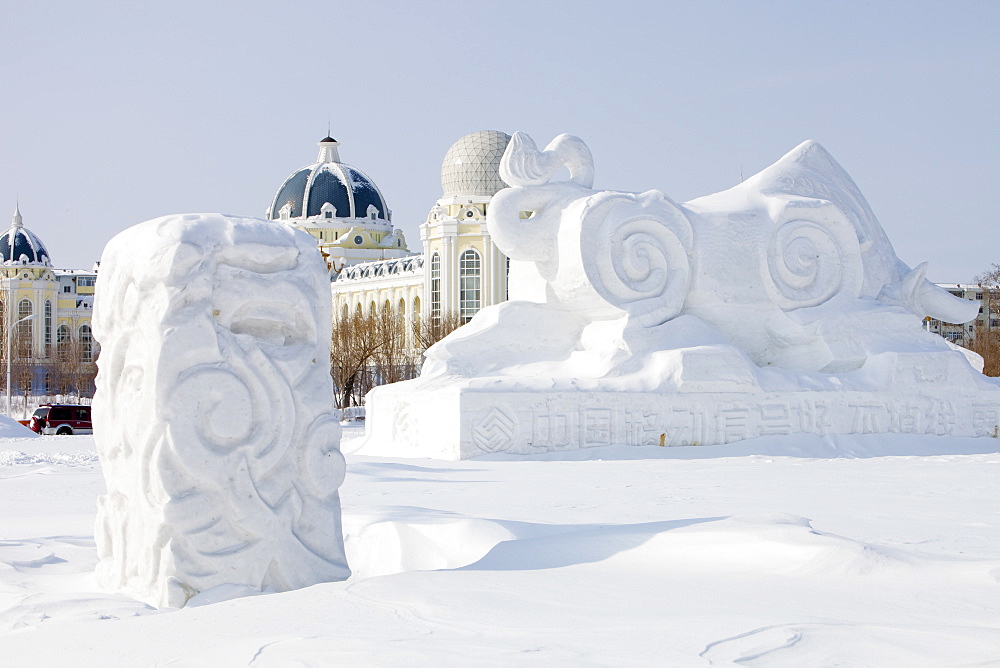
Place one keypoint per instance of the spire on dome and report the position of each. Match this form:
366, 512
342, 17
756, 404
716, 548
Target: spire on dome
328, 150
17, 221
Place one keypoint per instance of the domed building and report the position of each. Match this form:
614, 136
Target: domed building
460, 270
48, 312
340, 206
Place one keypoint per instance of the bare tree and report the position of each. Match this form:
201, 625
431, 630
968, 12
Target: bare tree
22, 368
72, 371
986, 341
429, 331
354, 343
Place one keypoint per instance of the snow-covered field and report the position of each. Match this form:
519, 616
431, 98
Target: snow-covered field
880, 550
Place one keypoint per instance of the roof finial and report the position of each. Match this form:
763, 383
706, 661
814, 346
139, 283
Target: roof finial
17, 221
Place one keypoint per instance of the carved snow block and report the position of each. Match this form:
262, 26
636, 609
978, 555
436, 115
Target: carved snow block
778, 307
213, 415
452, 423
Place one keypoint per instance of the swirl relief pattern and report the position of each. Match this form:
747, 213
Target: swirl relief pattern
213, 415
635, 252
812, 256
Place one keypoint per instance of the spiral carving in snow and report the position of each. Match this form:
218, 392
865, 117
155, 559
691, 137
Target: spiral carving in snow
213, 416
635, 251
811, 261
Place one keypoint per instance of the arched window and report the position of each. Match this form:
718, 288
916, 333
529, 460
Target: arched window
47, 341
24, 329
371, 308
347, 312
469, 284
387, 307
435, 286
402, 307
62, 342
86, 344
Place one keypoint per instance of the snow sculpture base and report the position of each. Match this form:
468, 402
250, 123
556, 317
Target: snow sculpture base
450, 418
213, 416
774, 308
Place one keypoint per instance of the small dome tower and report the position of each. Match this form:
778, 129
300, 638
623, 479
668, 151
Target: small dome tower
340, 206
20, 246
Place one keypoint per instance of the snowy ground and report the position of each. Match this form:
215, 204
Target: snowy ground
860, 551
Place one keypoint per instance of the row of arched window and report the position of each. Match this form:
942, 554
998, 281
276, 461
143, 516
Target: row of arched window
24, 335
386, 306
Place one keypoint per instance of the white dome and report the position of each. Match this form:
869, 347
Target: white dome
472, 164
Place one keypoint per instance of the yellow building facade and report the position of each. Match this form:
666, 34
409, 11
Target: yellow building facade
460, 270
46, 315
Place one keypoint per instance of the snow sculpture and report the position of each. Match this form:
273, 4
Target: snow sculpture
776, 307
213, 415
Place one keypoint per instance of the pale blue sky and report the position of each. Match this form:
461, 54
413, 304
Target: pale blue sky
118, 112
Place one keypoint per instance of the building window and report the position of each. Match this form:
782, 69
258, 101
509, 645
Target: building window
85, 281
48, 329
86, 344
328, 214
62, 343
25, 331
436, 286
469, 284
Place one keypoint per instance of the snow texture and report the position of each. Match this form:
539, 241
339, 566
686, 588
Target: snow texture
11, 428
776, 307
213, 415
868, 550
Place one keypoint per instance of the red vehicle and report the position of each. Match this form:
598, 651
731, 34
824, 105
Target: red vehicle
61, 419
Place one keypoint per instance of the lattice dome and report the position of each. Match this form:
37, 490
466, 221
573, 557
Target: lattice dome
472, 164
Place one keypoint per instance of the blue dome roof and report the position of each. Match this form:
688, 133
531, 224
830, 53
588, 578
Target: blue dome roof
347, 189
18, 245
